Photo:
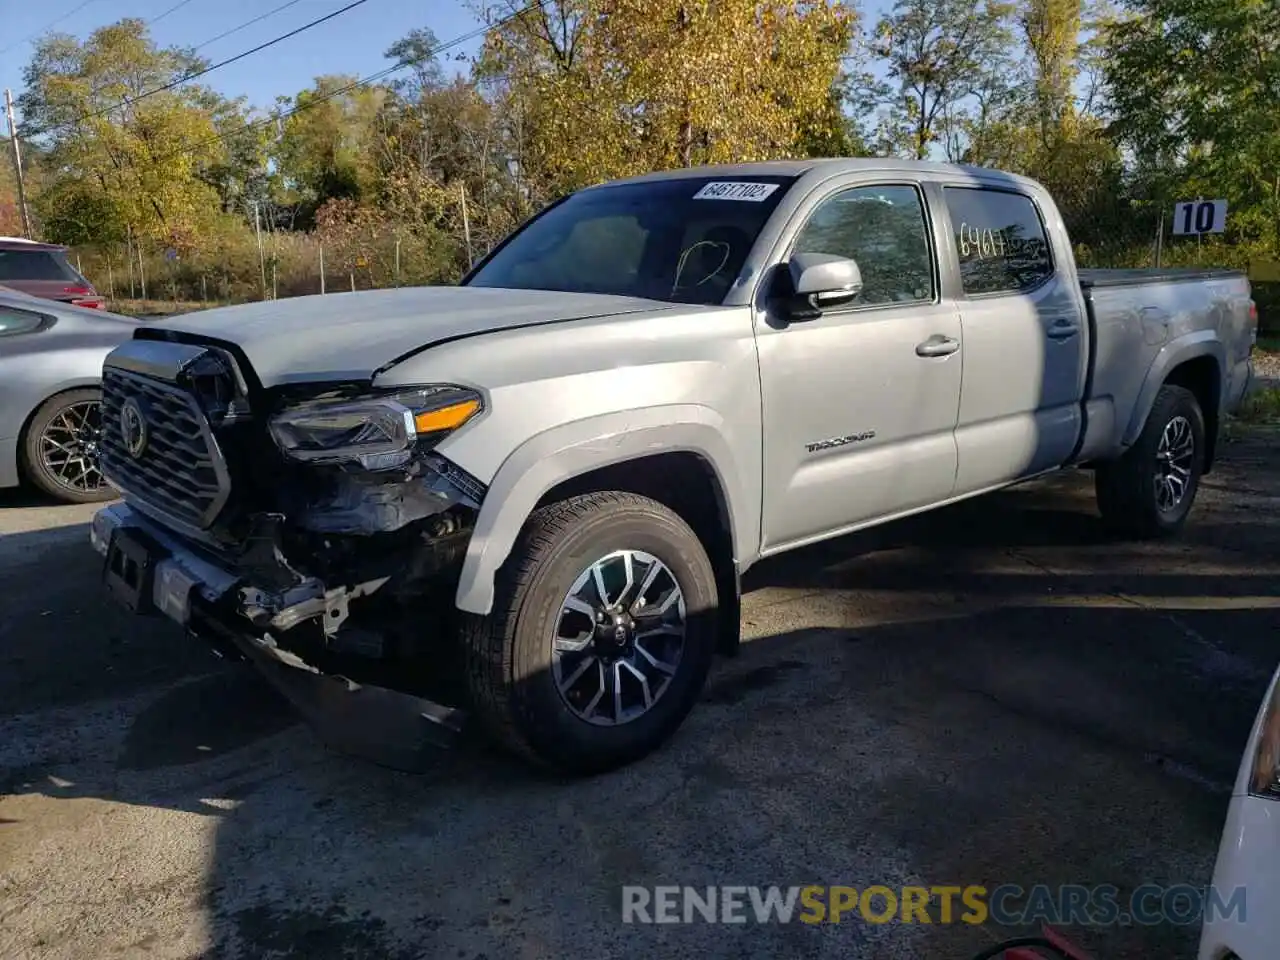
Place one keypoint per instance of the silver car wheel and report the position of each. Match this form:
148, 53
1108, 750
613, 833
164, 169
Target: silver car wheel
1175, 456
69, 447
619, 638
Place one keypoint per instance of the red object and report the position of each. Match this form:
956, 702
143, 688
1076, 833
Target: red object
1060, 943
85, 297
1253, 313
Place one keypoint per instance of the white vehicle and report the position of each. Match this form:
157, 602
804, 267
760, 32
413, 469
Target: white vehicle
1247, 857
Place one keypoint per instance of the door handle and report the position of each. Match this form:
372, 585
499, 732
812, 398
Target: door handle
1063, 330
937, 346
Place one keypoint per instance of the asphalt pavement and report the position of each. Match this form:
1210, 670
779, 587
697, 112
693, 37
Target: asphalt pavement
989, 694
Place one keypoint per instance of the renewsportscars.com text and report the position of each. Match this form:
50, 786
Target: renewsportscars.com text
1008, 904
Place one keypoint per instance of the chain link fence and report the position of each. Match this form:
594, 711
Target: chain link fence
148, 280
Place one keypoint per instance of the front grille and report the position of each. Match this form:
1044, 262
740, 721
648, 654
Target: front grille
179, 470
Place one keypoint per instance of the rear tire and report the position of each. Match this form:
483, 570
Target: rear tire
1150, 490
519, 658
60, 448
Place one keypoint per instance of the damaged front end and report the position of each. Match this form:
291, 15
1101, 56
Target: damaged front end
321, 533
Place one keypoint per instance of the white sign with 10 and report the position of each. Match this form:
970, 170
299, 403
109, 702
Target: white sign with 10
1199, 216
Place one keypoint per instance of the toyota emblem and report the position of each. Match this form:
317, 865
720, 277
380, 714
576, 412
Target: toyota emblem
133, 428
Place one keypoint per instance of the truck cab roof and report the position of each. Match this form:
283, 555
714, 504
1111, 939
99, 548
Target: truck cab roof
824, 167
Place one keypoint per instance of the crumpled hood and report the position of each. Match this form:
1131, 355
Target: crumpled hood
349, 336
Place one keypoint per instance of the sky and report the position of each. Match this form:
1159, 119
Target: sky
352, 43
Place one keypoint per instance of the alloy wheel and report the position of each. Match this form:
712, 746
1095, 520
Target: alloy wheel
1175, 457
619, 638
69, 447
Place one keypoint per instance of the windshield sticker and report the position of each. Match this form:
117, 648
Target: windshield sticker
736, 190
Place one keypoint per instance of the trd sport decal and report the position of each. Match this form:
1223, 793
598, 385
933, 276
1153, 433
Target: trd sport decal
839, 441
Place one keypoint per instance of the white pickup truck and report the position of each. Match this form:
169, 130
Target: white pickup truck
547, 480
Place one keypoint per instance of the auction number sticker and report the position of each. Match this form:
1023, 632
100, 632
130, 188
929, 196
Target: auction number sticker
735, 190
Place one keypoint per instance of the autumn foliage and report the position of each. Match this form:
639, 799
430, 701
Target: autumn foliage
1119, 110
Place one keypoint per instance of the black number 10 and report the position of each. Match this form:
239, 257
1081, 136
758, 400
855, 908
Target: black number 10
1203, 217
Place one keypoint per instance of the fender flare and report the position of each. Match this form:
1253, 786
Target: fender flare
1203, 343
570, 450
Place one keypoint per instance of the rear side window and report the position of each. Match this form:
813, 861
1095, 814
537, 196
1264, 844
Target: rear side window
14, 322
34, 265
1000, 240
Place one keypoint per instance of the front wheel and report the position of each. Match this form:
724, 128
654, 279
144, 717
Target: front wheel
1150, 490
60, 452
601, 636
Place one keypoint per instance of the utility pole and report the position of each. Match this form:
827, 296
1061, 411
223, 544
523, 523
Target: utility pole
262, 262
466, 223
17, 163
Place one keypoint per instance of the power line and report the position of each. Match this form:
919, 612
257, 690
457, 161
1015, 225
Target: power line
186, 78
52, 23
177, 6
247, 23
365, 81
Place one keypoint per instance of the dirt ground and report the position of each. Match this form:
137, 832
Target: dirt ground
990, 694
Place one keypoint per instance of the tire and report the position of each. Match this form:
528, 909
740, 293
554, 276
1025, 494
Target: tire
46, 421
510, 664
1129, 490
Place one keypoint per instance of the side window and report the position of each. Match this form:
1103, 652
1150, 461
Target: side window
1000, 240
884, 230
14, 322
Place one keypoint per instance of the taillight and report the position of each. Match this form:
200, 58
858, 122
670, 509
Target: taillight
79, 291
1253, 323
89, 304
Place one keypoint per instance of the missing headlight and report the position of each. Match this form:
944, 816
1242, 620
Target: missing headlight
358, 502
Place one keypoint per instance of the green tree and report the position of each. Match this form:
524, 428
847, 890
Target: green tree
1195, 91
938, 54
325, 151
120, 158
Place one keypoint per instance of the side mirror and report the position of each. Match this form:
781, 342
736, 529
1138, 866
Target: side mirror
822, 281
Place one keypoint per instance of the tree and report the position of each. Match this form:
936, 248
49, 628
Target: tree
417, 49
939, 53
1195, 94
605, 88
1051, 30
119, 157
325, 150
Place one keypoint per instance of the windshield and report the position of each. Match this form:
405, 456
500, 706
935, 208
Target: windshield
682, 240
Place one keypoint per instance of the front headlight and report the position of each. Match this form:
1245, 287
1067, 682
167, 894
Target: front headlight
1264, 778
378, 432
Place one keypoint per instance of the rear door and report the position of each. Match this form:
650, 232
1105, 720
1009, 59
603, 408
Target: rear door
859, 404
1025, 338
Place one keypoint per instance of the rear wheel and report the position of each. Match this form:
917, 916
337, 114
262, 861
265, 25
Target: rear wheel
60, 452
601, 636
1150, 490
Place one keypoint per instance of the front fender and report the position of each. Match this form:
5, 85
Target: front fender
573, 449
1172, 355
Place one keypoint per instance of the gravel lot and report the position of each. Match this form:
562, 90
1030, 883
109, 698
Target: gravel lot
1267, 367
990, 694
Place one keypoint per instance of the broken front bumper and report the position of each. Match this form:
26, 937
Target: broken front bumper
150, 570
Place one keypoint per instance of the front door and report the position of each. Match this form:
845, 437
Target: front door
860, 403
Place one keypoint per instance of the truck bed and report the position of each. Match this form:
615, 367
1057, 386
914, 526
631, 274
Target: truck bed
1125, 278
1133, 315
